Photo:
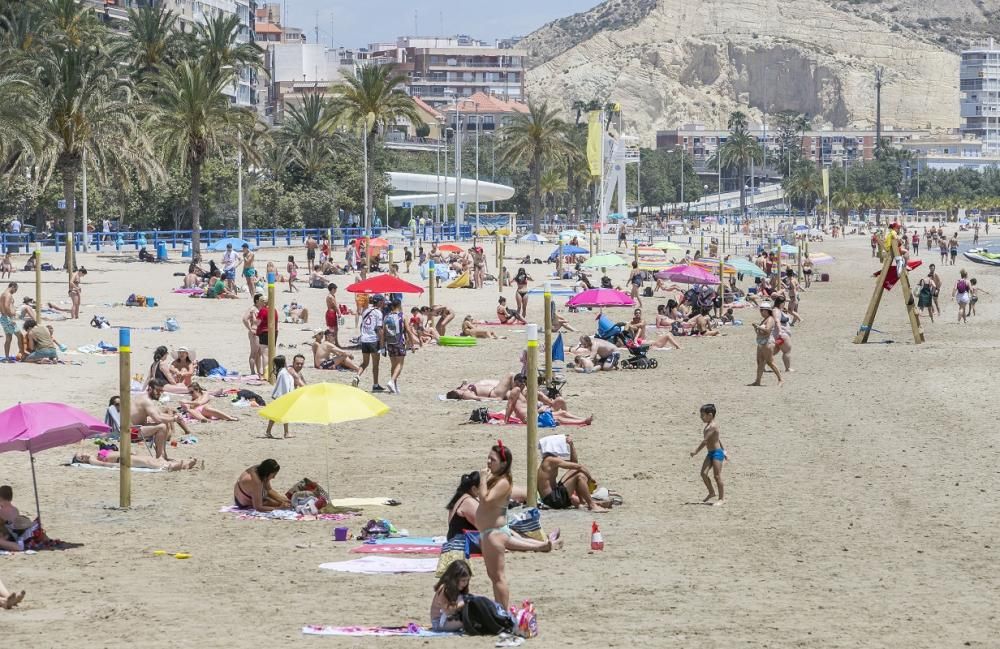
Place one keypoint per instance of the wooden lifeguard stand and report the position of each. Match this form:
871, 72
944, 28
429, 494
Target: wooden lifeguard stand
904, 282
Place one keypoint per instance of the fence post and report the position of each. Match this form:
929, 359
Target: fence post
257, 236
274, 238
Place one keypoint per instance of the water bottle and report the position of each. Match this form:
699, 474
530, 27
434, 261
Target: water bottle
596, 538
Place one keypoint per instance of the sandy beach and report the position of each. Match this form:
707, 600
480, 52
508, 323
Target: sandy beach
859, 496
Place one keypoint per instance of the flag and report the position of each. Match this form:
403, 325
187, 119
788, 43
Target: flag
826, 182
558, 353
595, 132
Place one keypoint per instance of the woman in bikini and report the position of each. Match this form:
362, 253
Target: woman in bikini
462, 517
198, 408
163, 370
469, 329
183, 365
253, 489
792, 290
635, 282
521, 279
75, 292
767, 340
506, 314
484, 390
784, 332
112, 459
332, 313
293, 273
6, 266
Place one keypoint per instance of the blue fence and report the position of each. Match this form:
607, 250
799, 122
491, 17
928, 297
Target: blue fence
274, 237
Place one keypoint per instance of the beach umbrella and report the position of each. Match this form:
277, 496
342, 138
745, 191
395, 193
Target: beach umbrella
746, 267
712, 266
821, 258
675, 222
36, 427
384, 284
604, 261
566, 235
687, 274
323, 403
378, 242
536, 238
667, 245
449, 247
600, 297
569, 250
237, 243
801, 227
789, 250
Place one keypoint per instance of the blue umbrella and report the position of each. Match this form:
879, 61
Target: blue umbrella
237, 243
571, 250
537, 238
789, 250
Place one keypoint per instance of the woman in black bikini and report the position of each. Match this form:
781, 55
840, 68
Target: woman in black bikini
521, 279
253, 489
161, 369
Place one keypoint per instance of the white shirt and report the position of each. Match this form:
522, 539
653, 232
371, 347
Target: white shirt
229, 260
284, 383
371, 322
15, 226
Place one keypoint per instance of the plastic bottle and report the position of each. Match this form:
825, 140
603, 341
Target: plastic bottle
596, 538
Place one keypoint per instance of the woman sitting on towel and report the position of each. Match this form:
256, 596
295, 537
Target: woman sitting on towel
183, 365
505, 314
469, 329
163, 370
253, 488
198, 408
449, 597
111, 459
462, 515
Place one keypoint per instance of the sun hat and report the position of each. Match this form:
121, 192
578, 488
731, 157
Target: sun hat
766, 304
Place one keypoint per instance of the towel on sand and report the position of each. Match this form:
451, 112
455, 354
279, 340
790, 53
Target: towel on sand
383, 548
282, 515
81, 465
497, 419
362, 502
555, 445
412, 630
382, 565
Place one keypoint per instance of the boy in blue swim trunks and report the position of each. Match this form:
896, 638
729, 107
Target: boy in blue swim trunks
716, 453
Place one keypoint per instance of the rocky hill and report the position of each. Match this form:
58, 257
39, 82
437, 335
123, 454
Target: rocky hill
674, 61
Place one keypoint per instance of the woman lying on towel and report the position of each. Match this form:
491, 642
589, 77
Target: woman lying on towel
253, 488
110, 460
469, 329
198, 408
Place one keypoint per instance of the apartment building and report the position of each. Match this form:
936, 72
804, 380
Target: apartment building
822, 146
979, 83
439, 69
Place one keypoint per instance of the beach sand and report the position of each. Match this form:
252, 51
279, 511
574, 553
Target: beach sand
860, 508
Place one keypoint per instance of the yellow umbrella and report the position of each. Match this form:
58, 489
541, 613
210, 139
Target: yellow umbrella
667, 245
323, 403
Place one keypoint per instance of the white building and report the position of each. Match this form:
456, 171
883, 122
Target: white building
951, 152
979, 82
295, 69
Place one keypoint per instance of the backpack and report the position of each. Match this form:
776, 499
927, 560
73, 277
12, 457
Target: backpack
482, 616
206, 365
647, 292
480, 416
249, 396
392, 327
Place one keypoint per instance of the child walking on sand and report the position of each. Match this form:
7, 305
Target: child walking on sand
716, 453
293, 272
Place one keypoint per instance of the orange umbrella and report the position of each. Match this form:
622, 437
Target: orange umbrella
713, 267
449, 247
378, 242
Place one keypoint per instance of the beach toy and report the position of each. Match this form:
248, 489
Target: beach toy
340, 533
457, 341
176, 555
596, 538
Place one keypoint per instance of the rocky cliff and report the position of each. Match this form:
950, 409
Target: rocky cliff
674, 61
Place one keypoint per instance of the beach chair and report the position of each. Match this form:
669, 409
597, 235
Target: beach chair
21, 536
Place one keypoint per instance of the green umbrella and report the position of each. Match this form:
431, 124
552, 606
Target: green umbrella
667, 245
604, 261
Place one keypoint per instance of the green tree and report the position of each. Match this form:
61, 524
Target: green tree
370, 99
739, 150
191, 119
533, 140
150, 42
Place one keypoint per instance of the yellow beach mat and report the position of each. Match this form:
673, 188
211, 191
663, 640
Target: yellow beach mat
462, 281
361, 502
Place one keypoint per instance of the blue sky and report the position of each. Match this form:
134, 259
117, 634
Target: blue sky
355, 23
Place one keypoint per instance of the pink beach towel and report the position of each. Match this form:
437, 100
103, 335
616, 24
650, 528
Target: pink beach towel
281, 515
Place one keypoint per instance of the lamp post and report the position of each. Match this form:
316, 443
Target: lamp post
477, 168
239, 184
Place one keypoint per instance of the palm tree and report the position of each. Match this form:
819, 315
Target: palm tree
805, 185
553, 185
371, 98
20, 130
308, 133
844, 201
191, 119
739, 150
86, 107
149, 42
219, 50
534, 139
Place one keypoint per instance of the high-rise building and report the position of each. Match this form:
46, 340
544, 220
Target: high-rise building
979, 83
439, 70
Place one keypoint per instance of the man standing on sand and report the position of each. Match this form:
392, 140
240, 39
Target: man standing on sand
311, 246
936, 279
249, 272
372, 340
574, 487
230, 260
716, 453
8, 322
152, 420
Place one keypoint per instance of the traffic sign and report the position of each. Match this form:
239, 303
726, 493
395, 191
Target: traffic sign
407, 205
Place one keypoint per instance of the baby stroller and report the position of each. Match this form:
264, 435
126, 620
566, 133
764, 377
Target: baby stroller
610, 331
638, 355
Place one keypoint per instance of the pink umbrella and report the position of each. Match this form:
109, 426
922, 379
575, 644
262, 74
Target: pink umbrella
600, 297
35, 427
687, 274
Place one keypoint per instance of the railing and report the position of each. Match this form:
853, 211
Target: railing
271, 237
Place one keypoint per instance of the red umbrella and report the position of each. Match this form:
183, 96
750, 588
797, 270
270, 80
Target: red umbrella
449, 247
384, 284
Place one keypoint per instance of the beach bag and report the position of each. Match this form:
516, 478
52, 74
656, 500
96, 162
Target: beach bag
171, 324
473, 544
528, 523
547, 420
482, 616
647, 292
480, 416
206, 365
305, 490
376, 529
526, 620
250, 395
100, 322
452, 551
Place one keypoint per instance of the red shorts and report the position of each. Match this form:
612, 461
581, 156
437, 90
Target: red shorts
331, 320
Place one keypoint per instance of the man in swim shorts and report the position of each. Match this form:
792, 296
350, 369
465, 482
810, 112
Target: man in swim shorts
574, 487
8, 323
716, 453
249, 272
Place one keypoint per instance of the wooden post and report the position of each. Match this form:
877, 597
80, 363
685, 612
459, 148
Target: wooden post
559, 259
547, 299
532, 379
722, 286
368, 255
272, 325
431, 278
904, 282
701, 244
798, 255
635, 252
38, 282
124, 417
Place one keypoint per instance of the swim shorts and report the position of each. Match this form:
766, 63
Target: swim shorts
8, 324
717, 454
558, 498
396, 350
249, 272
331, 320
229, 274
369, 348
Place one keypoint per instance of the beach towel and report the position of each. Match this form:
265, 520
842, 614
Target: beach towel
554, 445
384, 548
497, 323
411, 630
363, 502
188, 291
409, 540
282, 515
497, 419
81, 465
382, 565
892, 276
462, 281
